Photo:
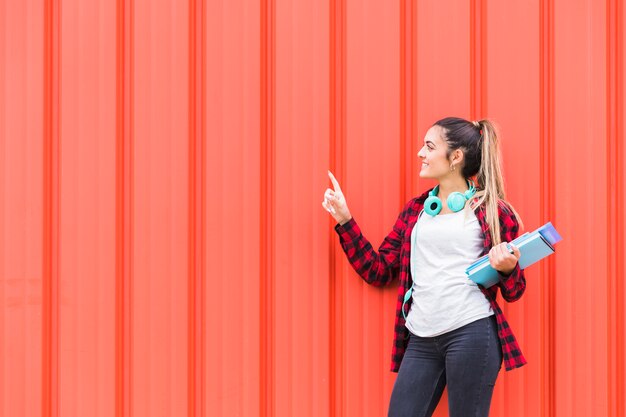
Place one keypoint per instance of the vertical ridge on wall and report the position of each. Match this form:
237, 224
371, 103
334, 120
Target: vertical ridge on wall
197, 200
615, 215
267, 271
123, 206
478, 58
546, 202
408, 100
337, 127
50, 313
3, 192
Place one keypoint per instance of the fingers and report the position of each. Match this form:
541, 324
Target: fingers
496, 253
333, 197
334, 181
501, 259
328, 207
502, 252
329, 194
516, 251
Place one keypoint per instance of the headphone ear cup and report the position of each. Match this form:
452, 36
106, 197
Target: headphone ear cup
456, 201
433, 205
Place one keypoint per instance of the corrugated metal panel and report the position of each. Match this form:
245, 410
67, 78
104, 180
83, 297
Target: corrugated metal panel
164, 249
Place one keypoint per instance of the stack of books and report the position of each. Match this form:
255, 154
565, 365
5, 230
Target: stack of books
533, 246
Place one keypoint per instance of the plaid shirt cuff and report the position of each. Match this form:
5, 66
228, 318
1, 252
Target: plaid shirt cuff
349, 231
514, 272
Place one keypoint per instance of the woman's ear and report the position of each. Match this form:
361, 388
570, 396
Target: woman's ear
457, 156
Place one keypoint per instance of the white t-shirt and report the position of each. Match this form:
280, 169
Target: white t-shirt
444, 298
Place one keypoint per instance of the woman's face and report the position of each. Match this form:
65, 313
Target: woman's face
435, 165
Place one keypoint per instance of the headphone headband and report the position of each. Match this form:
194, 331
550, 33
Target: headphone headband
455, 201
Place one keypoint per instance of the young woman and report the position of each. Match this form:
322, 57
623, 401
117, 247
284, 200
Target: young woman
448, 330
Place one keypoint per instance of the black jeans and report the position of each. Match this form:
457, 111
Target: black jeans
467, 359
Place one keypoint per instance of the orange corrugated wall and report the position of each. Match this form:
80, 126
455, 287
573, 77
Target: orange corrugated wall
164, 251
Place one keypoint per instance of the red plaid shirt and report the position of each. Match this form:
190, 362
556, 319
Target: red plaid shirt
393, 259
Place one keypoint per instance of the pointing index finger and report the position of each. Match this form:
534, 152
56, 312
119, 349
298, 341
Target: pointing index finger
334, 181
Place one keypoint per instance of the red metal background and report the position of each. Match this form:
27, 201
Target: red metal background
164, 250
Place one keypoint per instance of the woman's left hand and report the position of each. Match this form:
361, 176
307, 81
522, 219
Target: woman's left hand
502, 260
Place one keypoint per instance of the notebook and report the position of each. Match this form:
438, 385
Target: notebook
533, 246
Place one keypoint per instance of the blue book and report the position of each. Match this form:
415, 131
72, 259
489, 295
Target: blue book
533, 246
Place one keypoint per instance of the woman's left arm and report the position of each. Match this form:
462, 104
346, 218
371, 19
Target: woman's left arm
513, 284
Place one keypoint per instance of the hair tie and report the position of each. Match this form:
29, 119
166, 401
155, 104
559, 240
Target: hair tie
477, 124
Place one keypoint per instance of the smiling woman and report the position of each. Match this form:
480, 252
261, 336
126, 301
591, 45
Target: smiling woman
454, 334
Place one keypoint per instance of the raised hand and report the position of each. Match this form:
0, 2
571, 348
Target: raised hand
335, 202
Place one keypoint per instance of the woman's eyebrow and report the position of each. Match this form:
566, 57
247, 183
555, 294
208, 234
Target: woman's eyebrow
429, 141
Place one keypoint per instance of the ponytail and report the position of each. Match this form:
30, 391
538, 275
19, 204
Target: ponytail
491, 180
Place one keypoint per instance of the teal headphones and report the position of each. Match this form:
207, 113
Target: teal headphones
456, 200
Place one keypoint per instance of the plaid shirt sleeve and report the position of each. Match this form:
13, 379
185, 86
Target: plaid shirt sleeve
512, 286
376, 268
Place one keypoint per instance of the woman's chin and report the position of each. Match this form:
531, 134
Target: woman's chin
424, 174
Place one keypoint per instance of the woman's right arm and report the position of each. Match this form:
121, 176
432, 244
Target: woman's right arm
376, 268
